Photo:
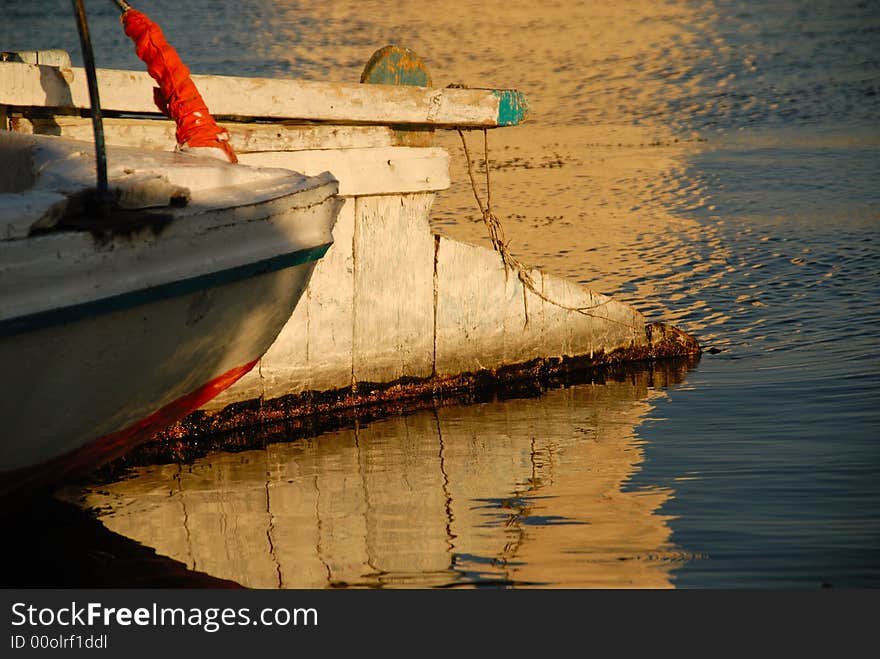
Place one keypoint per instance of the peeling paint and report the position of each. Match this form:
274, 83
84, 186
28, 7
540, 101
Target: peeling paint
394, 65
513, 108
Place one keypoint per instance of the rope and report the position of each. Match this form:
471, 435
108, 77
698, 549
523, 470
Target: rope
500, 245
177, 95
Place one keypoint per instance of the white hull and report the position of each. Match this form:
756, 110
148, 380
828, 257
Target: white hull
104, 339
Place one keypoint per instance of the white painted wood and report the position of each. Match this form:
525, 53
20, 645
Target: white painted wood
481, 312
313, 350
331, 311
80, 367
481, 315
255, 137
244, 137
52, 57
606, 326
25, 85
523, 319
360, 172
370, 311
393, 288
471, 306
20, 212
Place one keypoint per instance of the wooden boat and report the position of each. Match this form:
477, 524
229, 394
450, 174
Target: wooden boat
114, 324
394, 310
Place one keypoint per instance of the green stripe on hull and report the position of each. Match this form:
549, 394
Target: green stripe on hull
54, 317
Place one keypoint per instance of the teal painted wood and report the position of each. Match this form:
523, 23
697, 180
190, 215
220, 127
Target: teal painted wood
513, 108
394, 65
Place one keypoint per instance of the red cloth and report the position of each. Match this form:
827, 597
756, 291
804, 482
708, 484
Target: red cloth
177, 96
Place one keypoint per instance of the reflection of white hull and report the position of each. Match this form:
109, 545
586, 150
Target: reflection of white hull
104, 339
521, 491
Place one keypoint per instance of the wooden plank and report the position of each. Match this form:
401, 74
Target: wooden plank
481, 311
470, 309
313, 350
245, 138
481, 315
395, 65
53, 57
606, 326
393, 288
331, 312
389, 170
29, 85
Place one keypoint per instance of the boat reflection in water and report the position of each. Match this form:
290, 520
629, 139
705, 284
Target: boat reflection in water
522, 492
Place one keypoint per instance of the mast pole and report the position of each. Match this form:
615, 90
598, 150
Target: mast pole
97, 120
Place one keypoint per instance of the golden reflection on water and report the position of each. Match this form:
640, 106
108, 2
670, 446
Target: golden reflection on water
519, 492
595, 185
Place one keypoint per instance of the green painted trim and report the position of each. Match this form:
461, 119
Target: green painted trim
395, 65
513, 108
63, 315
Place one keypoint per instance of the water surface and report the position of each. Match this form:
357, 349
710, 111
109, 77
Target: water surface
516, 492
715, 164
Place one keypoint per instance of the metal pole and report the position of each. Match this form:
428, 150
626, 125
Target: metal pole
97, 122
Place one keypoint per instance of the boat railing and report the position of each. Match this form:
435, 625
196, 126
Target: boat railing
27, 85
345, 128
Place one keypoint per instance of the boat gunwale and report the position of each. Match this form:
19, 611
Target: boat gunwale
129, 299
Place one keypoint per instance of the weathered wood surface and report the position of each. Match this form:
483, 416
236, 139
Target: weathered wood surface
379, 171
390, 302
481, 313
51, 57
394, 65
441, 313
316, 353
244, 137
368, 314
393, 289
33, 85
362, 158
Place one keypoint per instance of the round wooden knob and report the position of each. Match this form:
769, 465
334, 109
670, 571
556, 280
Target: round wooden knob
394, 65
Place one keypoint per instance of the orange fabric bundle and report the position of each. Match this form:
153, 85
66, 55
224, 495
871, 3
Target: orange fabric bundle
177, 96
